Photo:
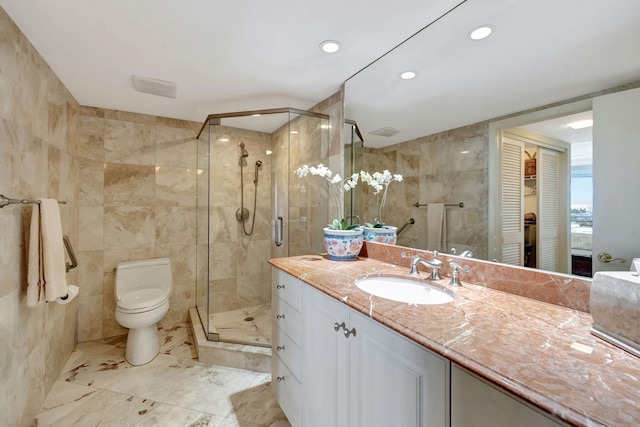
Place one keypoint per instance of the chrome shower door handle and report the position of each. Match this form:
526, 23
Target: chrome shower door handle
279, 240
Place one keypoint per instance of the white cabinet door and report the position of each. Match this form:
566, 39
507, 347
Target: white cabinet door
325, 366
393, 381
476, 403
374, 377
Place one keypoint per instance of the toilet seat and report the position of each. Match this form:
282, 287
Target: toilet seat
142, 300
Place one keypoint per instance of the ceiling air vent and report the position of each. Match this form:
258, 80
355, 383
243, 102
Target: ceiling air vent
155, 86
388, 132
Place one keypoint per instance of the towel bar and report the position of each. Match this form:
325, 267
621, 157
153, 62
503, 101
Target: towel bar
460, 205
4, 201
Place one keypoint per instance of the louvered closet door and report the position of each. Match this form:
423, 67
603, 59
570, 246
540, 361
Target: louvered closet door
512, 163
548, 181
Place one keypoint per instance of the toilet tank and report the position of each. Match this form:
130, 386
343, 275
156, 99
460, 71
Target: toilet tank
143, 274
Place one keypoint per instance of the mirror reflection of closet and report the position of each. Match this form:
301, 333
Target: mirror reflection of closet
535, 181
530, 205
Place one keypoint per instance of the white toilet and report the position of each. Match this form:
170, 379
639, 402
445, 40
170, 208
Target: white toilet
142, 290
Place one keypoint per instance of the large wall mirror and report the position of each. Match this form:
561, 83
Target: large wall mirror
483, 124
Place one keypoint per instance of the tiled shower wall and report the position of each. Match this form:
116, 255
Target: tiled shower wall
137, 200
39, 122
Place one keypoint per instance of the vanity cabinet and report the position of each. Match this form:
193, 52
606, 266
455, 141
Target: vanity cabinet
474, 402
286, 360
357, 372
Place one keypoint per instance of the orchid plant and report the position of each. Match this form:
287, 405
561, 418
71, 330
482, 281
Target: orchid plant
380, 184
337, 186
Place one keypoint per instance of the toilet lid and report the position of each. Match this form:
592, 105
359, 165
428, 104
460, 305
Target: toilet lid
142, 298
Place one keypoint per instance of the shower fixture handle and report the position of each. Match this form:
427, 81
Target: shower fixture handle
279, 286
280, 316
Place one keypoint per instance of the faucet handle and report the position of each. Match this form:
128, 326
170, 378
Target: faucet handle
455, 281
411, 257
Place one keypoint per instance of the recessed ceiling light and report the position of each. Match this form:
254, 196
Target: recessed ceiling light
481, 32
256, 115
580, 124
465, 152
294, 132
330, 46
408, 75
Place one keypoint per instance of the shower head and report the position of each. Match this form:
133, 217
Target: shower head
243, 151
255, 176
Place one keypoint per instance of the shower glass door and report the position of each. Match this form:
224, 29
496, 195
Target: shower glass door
250, 209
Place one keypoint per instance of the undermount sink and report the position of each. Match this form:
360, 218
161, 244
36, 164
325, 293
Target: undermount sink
404, 290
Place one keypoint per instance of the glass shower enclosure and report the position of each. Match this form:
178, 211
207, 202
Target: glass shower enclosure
250, 208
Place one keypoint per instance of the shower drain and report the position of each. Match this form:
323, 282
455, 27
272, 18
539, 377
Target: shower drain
248, 319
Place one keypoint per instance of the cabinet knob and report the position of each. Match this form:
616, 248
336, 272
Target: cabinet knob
348, 332
280, 379
280, 348
280, 316
337, 326
279, 286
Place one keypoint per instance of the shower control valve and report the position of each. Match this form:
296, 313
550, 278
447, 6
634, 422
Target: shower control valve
280, 316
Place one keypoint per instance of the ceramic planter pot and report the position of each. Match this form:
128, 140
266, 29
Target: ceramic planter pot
386, 234
342, 245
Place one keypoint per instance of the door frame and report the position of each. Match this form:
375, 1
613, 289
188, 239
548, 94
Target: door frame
495, 186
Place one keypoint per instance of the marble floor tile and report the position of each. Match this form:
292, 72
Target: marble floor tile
176, 340
209, 389
156, 380
105, 408
257, 404
97, 387
95, 365
63, 398
168, 415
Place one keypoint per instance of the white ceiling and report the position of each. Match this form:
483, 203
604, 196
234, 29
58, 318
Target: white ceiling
224, 55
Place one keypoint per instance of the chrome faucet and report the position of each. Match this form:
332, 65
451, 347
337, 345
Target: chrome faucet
467, 254
435, 264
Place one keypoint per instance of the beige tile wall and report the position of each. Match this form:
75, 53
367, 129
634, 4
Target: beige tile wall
435, 171
39, 122
137, 200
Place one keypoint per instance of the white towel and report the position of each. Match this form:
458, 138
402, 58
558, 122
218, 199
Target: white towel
436, 227
46, 275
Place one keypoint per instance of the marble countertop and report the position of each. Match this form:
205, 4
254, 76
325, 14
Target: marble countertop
541, 352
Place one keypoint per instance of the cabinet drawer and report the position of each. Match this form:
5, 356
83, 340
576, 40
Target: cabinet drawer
287, 350
287, 390
286, 287
287, 319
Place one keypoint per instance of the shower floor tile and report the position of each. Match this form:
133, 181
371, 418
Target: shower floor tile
233, 326
99, 388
